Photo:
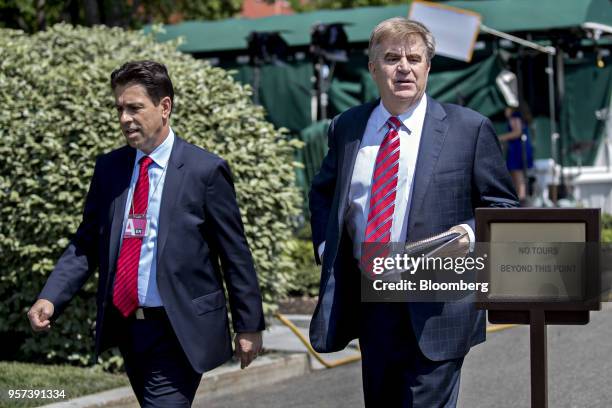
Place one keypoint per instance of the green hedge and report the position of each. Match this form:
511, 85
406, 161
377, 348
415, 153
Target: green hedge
304, 281
606, 228
58, 114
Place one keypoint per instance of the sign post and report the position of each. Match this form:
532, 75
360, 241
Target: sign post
543, 268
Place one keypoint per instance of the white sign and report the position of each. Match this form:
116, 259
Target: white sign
454, 29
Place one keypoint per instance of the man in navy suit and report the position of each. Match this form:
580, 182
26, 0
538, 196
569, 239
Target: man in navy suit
162, 225
402, 168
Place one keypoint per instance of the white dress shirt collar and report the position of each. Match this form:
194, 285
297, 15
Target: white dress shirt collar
161, 154
412, 119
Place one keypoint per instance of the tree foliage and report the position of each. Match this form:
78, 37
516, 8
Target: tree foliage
32, 16
300, 6
59, 115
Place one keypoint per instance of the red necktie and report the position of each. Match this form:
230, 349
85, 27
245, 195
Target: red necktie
125, 292
382, 198
384, 186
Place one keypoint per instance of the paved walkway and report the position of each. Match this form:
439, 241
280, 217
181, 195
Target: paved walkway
495, 374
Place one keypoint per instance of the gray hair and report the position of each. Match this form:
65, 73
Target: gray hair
403, 28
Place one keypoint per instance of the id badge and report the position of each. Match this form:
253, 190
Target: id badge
137, 226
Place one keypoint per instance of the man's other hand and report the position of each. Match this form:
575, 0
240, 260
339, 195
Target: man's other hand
248, 345
40, 314
458, 248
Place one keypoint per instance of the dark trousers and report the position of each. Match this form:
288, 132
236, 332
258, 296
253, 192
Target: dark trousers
156, 365
395, 372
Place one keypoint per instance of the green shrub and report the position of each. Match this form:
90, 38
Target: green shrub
58, 114
606, 227
305, 278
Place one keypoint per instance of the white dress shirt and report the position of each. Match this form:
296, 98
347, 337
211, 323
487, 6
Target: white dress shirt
361, 181
148, 294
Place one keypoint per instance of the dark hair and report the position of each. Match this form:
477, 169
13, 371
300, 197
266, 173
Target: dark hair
152, 75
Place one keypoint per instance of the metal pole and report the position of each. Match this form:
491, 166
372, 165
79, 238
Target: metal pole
518, 40
554, 135
550, 71
322, 88
563, 191
538, 358
256, 82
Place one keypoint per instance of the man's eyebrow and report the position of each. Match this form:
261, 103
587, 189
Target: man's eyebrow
392, 53
129, 104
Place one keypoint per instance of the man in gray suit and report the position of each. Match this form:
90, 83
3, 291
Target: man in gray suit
402, 168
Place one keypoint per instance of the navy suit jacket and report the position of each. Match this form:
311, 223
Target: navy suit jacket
459, 168
201, 242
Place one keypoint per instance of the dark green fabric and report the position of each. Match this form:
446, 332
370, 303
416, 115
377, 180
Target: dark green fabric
311, 156
284, 91
353, 85
504, 15
472, 85
587, 89
540, 137
315, 146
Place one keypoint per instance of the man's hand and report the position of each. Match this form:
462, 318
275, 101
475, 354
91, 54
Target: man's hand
458, 248
40, 314
248, 345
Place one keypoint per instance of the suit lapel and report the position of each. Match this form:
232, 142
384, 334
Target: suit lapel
121, 183
172, 187
353, 134
435, 128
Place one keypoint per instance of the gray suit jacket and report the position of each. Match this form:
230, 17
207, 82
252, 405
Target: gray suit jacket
459, 168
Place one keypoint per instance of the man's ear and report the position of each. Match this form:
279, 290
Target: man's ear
166, 104
372, 68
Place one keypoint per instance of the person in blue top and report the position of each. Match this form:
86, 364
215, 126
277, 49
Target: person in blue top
519, 150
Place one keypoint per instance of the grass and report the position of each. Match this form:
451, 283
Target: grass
74, 381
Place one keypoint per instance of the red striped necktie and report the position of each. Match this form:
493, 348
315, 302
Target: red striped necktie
125, 292
384, 186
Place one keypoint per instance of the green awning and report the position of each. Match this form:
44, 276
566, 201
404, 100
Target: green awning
537, 15
504, 15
